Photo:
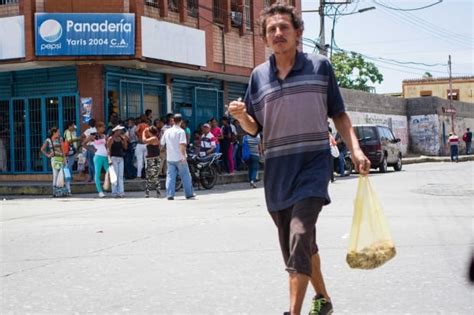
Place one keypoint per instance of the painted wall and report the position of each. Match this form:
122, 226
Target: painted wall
424, 134
398, 124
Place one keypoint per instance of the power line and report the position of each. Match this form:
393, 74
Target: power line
392, 62
427, 29
413, 9
430, 28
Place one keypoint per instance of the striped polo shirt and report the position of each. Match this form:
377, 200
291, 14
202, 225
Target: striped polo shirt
292, 115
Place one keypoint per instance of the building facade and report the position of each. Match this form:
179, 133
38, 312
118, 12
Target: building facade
462, 88
72, 60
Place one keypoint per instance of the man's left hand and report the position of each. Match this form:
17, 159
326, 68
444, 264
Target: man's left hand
361, 162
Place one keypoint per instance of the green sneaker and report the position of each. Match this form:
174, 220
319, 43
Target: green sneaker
320, 306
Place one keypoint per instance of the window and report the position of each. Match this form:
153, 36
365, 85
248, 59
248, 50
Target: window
455, 94
152, 3
173, 5
267, 3
426, 93
248, 14
235, 14
218, 11
193, 8
8, 2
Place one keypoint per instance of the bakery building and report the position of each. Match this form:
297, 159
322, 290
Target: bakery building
70, 60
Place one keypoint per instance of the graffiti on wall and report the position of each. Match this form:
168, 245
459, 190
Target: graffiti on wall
398, 124
424, 131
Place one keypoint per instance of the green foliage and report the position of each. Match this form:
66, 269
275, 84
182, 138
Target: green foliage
354, 72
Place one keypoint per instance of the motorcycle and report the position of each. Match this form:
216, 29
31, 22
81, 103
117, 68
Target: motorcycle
203, 170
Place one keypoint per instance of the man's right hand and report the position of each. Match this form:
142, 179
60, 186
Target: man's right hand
237, 109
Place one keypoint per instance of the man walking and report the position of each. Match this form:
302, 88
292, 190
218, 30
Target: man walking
289, 98
174, 139
467, 138
454, 146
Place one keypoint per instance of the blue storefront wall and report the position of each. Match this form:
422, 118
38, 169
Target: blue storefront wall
235, 90
197, 99
135, 91
31, 102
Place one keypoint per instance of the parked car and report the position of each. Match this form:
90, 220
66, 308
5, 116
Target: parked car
379, 145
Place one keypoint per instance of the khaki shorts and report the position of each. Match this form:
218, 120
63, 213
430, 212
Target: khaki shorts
297, 234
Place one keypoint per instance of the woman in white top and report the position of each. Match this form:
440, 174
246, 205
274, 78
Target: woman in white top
101, 155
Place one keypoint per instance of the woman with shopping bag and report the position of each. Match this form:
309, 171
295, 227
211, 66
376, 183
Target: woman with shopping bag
101, 161
52, 149
117, 145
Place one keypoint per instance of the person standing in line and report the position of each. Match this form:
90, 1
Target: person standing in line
89, 149
290, 98
174, 139
140, 150
217, 132
342, 154
467, 138
238, 145
130, 170
207, 144
149, 116
169, 122
152, 141
226, 146
454, 146
255, 150
71, 137
117, 145
52, 148
184, 125
101, 160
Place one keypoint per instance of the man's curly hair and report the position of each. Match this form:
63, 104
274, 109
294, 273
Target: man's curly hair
280, 7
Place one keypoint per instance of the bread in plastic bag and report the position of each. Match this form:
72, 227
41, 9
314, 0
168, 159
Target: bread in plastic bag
370, 244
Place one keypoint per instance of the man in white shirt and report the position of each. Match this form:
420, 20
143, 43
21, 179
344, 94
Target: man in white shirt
174, 139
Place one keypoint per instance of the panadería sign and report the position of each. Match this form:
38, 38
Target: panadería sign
84, 34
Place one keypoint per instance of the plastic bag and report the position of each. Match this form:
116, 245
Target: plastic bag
112, 175
60, 179
334, 151
106, 185
67, 174
370, 243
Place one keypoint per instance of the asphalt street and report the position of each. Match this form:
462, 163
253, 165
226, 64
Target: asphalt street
219, 254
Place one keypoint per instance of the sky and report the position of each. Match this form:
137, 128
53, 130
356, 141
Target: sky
424, 36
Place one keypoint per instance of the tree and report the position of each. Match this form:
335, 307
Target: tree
354, 72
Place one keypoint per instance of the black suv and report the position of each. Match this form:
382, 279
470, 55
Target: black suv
380, 146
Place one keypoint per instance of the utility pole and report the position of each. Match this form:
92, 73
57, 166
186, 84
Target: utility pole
322, 40
451, 94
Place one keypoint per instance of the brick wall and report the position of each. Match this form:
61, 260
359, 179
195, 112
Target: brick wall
85, 6
90, 83
40, 5
9, 10
237, 48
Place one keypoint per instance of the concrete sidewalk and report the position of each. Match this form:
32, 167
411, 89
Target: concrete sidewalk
44, 187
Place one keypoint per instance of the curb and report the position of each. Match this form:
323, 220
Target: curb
43, 188
425, 159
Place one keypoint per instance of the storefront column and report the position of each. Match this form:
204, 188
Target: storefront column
169, 101
90, 83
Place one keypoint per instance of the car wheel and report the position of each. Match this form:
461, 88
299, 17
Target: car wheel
398, 166
383, 167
